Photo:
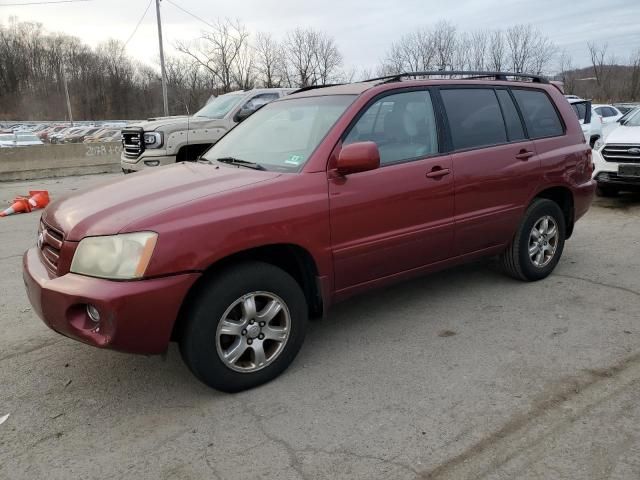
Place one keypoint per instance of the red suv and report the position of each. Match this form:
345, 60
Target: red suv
325, 193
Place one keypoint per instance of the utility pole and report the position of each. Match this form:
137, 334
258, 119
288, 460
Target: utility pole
66, 93
164, 73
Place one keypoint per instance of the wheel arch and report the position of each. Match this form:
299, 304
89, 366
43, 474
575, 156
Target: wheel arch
293, 259
563, 196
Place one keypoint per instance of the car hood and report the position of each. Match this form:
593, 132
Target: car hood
624, 134
173, 124
109, 207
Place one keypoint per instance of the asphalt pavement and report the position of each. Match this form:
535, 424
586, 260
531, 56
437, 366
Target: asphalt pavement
464, 374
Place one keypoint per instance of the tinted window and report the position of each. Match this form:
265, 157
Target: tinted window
260, 100
511, 117
539, 113
402, 125
580, 109
474, 117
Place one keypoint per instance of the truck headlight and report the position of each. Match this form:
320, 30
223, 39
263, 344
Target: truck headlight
152, 139
116, 257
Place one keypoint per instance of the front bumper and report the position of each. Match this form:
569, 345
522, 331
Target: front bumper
146, 160
136, 316
606, 174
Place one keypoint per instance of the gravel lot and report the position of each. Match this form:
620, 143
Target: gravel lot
463, 374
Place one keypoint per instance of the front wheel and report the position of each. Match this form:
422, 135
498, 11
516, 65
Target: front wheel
538, 244
245, 327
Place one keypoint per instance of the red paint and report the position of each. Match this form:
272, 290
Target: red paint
362, 230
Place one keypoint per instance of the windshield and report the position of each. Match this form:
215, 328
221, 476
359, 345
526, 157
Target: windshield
633, 120
282, 135
219, 107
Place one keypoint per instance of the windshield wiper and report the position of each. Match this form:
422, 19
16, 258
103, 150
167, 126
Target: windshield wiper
240, 163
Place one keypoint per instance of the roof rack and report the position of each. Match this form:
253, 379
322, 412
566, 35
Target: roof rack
313, 87
468, 74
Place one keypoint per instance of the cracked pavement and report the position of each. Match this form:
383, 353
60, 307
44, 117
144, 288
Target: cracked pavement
459, 375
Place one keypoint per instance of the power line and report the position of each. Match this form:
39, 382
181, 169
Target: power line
137, 26
42, 3
191, 14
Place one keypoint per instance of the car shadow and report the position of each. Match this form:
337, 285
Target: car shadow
623, 201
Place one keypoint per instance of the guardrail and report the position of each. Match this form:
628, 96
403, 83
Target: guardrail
27, 163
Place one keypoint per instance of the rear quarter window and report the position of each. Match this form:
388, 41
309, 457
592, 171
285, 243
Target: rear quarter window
540, 115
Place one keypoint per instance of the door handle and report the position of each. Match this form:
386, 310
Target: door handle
524, 155
438, 172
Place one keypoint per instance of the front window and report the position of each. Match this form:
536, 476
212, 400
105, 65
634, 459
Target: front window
282, 135
220, 106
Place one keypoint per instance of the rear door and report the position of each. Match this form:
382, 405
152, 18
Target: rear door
495, 164
399, 216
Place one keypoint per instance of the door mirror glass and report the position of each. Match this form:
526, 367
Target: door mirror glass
358, 157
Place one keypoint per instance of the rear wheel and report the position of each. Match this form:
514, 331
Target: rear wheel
538, 244
245, 327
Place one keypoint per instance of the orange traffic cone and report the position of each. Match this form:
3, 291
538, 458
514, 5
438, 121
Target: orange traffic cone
20, 205
39, 198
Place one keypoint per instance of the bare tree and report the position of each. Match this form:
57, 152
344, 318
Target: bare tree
479, 44
565, 71
444, 43
328, 59
497, 51
222, 51
270, 63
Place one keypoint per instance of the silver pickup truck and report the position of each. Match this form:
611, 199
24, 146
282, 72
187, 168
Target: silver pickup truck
165, 140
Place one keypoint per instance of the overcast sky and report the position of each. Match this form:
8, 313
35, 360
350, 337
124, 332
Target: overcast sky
362, 29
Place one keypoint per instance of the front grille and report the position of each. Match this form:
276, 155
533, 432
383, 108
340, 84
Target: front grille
50, 244
621, 153
132, 142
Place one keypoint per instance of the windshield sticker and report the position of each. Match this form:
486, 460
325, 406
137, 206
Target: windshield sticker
294, 160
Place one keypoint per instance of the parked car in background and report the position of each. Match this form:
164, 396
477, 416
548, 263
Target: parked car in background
62, 134
590, 121
114, 136
166, 140
318, 196
102, 134
20, 139
626, 107
609, 113
48, 132
79, 136
617, 160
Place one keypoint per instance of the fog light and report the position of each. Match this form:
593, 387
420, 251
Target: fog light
152, 163
93, 313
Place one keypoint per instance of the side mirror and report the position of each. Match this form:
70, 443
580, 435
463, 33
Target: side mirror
358, 157
243, 114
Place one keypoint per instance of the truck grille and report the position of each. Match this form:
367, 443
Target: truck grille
132, 142
50, 244
621, 153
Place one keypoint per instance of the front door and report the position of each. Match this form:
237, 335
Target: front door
399, 216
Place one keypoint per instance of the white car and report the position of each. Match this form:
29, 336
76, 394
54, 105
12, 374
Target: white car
19, 140
609, 113
590, 121
617, 159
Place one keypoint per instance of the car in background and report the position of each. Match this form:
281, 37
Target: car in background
20, 139
590, 121
624, 108
166, 140
572, 97
80, 135
62, 134
617, 159
609, 113
48, 132
102, 134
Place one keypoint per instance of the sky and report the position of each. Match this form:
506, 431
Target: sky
363, 30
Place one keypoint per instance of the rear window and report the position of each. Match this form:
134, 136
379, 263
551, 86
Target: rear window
540, 115
475, 119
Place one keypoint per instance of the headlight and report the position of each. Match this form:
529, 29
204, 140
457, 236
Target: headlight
599, 144
118, 257
152, 139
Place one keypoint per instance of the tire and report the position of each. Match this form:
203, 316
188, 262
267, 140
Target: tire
607, 191
516, 260
223, 304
